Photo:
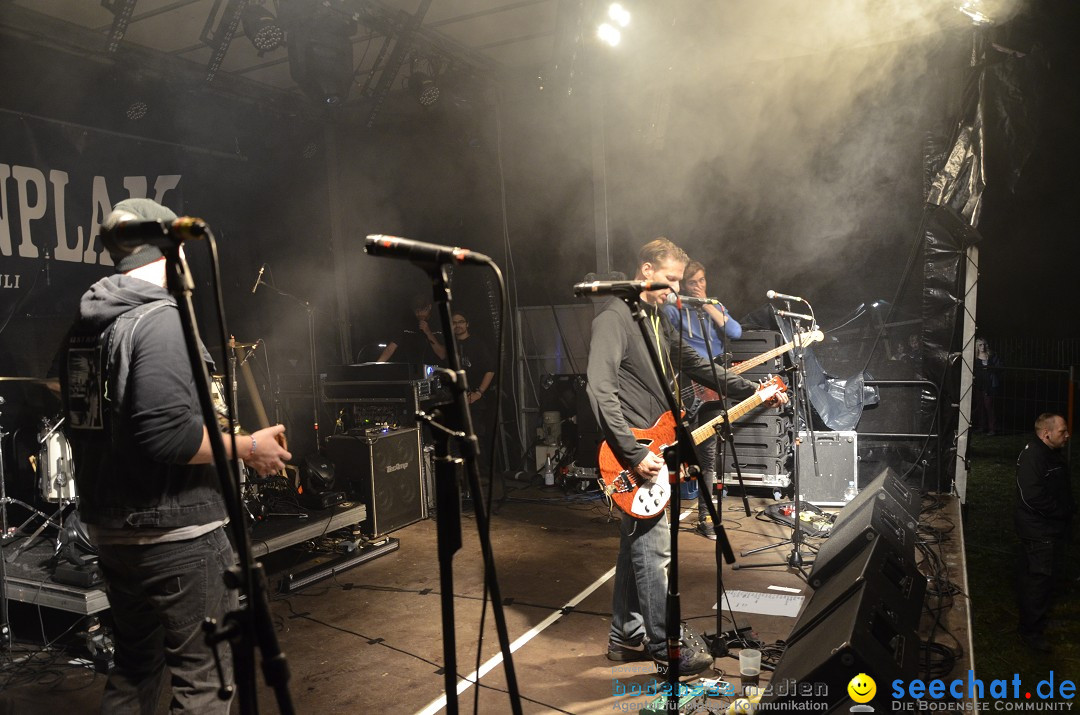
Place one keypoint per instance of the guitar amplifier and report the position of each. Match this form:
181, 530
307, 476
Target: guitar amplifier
384, 470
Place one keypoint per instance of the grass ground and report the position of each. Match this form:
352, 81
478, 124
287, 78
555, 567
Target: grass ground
991, 560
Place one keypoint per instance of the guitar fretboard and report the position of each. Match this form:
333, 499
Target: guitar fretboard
708, 429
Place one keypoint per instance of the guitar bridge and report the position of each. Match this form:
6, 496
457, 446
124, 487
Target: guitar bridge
622, 483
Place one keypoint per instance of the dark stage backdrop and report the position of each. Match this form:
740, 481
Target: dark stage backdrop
67, 154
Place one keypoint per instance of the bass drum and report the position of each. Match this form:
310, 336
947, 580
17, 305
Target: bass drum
56, 470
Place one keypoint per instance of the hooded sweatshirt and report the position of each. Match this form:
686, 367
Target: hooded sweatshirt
133, 412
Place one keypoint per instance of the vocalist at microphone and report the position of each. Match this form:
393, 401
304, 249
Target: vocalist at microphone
619, 288
258, 279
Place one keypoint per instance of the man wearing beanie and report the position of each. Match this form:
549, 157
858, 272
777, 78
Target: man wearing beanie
148, 490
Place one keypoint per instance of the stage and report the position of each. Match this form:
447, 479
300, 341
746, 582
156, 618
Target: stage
369, 639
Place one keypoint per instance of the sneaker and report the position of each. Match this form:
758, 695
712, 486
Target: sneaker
626, 653
706, 529
694, 657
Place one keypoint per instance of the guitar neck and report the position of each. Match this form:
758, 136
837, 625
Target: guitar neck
708, 429
763, 357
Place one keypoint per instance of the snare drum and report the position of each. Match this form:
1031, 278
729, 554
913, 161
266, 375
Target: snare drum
56, 470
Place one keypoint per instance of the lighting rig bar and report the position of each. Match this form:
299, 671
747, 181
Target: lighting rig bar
219, 37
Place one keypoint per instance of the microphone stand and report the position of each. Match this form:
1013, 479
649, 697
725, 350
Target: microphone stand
459, 425
683, 451
801, 405
250, 625
311, 353
717, 645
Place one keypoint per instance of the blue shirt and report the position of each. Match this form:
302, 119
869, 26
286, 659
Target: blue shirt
691, 330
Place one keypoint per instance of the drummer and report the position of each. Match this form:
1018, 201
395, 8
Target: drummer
148, 492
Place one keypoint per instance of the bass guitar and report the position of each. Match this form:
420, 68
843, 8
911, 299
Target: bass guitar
694, 395
645, 498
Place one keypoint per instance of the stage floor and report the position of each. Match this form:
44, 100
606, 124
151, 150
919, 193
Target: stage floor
369, 639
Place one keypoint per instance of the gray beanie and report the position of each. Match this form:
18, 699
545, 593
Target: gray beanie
129, 258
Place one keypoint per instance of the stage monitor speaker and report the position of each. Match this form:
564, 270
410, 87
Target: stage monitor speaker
904, 494
876, 513
891, 585
859, 633
383, 469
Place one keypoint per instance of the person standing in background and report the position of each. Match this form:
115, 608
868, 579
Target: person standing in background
719, 324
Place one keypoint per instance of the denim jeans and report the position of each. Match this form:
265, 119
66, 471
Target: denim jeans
638, 604
159, 595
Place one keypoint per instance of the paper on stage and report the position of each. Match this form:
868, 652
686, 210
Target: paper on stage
766, 604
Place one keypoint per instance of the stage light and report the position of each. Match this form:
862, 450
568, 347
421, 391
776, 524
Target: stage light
137, 110
609, 34
546, 381
424, 87
974, 10
619, 14
262, 29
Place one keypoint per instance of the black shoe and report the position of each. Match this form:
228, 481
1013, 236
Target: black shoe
1035, 641
706, 529
625, 653
694, 657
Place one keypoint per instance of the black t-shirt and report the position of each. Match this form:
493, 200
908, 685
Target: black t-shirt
476, 360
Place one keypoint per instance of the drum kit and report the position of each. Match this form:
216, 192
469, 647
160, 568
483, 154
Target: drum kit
51, 466
29, 405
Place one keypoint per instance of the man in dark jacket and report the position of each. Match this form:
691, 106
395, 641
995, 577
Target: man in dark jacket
148, 492
626, 393
1043, 518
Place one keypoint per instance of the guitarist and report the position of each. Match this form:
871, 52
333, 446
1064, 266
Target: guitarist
625, 393
717, 322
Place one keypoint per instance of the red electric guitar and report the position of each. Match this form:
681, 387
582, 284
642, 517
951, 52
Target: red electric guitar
644, 498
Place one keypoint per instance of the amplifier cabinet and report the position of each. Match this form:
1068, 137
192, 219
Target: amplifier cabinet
384, 470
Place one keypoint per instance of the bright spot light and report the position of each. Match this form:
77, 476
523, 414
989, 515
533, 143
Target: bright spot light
974, 10
619, 14
609, 34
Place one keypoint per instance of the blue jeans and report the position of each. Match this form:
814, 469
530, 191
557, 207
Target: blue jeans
159, 595
638, 604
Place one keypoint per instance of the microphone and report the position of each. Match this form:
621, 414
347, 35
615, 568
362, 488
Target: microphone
690, 300
163, 234
258, 279
420, 252
620, 288
797, 316
771, 295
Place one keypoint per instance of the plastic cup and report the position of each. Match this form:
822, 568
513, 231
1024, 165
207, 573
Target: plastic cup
749, 667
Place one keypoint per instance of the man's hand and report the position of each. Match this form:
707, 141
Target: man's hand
650, 466
269, 456
778, 400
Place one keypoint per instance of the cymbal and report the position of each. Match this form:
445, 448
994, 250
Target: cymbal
244, 345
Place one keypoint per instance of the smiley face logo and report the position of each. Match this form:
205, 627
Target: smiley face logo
862, 688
